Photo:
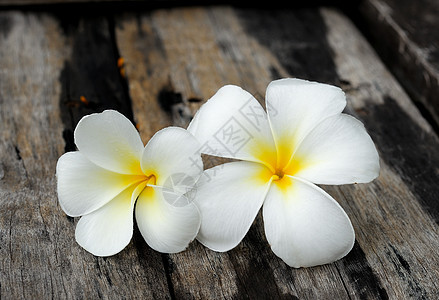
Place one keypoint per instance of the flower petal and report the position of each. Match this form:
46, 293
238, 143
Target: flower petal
233, 124
109, 229
229, 197
337, 151
111, 141
165, 227
304, 225
173, 156
295, 107
84, 187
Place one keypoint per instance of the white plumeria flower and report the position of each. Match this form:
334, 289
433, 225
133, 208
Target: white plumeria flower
303, 139
113, 171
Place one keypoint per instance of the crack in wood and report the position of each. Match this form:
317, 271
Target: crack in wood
396, 148
403, 270
167, 263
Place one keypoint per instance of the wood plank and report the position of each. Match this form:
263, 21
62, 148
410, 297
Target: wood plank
197, 50
406, 35
172, 59
399, 223
193, 51
44, 71
49, 2
136, 4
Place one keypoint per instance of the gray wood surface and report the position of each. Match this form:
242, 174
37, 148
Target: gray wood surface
406, 34
173, 60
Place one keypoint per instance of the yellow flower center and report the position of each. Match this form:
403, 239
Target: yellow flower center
279, 161
151, 179
278, 174
142, 184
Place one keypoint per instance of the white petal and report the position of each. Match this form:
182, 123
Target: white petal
111, 141
295, 107
109, 229
165, 227
173, 156
229, 197
233, 124
84, 187
337, 151
304, 225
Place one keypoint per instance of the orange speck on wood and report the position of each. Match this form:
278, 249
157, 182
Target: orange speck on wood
83, 100
120, 62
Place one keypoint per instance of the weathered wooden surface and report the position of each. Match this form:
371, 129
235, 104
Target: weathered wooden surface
49, 2
173, 60
45, 68
406, 34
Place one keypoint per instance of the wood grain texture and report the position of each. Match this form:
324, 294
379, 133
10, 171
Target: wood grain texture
203, 49
39, 256
406, 35
397, 230
173, 61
